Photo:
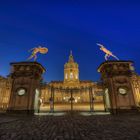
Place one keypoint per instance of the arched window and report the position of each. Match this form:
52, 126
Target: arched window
76, 76
66, 76
71, 75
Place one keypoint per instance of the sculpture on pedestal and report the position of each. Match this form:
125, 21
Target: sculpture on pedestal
36, 50
107, 52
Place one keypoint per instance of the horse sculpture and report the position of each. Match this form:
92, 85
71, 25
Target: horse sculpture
107, 52
39, 49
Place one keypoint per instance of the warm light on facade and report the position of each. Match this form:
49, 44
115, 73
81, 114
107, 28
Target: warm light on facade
66, 76
71, 75
76, 101
71, 71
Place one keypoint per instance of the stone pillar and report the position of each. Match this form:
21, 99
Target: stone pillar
26, 77
116, 77
91, 99
52, 99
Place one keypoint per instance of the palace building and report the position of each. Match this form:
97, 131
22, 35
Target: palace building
72, 93
118, 89
5, 88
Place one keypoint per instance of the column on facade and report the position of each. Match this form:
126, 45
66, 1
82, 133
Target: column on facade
138, 93
136, 90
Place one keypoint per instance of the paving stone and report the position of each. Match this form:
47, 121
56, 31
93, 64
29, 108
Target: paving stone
70, 127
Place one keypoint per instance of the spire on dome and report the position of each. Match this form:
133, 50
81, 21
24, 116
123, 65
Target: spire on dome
71, 52
71, 59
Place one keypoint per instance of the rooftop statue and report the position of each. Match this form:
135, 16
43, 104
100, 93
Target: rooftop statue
36, 50
107, 52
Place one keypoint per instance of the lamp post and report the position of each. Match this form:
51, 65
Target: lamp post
71, 99
52, 100
91, 99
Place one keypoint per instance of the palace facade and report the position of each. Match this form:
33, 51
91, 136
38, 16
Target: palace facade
5, 89
72, 91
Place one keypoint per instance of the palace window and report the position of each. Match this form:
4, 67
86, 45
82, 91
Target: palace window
76, 76
71, 75
66, 76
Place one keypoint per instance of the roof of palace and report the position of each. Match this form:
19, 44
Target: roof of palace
86, 81
56, 82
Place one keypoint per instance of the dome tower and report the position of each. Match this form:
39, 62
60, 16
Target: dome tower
71, 71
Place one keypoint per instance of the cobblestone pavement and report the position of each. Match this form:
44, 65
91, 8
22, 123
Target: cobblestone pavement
70, 127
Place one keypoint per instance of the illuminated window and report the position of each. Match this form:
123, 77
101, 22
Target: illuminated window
71, 75
76, 76
66, 76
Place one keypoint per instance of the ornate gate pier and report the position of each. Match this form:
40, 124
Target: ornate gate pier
116, 77
25, 92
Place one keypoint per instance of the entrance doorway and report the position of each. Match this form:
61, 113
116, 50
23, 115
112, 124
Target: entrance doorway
83, 99
72, 100
62, 99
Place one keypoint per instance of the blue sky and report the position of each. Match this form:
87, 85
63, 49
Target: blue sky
69, 25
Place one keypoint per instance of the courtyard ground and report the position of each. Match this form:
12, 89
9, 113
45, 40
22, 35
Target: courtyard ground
70, 126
